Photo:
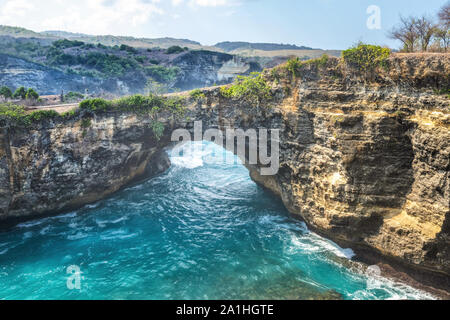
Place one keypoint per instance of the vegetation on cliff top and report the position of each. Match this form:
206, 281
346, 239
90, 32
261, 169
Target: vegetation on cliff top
367, 57
364, 58
14, 115
253, 89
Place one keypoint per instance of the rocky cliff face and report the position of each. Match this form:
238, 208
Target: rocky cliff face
364, 162
16, 72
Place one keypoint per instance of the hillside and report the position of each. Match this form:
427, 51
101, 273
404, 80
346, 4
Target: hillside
76, 65
127, 65
231, 46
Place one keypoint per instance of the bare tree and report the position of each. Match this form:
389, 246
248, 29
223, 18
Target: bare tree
442, 36
425, 29
406, 32
444, 15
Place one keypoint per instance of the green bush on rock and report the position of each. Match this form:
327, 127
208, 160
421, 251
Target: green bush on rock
367, 57
253, 89
197, 94
11, 114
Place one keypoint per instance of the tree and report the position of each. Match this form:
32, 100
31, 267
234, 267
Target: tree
154, 87
444, 16
6, 92
406, 32
443, 38
425, 29
174, 50
20, 93
32, 95
442, 32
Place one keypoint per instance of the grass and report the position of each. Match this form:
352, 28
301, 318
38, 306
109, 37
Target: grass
443, 91
295, 66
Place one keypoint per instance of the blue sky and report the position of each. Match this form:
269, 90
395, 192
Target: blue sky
327, 24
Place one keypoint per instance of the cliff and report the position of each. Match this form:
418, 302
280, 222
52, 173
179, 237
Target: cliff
364, 159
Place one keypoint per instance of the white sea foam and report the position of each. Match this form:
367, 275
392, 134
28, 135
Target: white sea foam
30, 224
77, 236
313, 243
188, 156
197, 154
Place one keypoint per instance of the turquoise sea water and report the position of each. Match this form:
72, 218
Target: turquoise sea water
203, 230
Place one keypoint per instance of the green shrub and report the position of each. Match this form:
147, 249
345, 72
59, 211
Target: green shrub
158, 129
367, 57
443, 91
73, 96
294, 66
6, 92
162, 74
20, 93
253, 89
108, 64
174, 50
129, 49
37, 116
13, 114
140, 59
95, 104
197, 94
69, 114
139, 104
319, 62
32, 95
64, 44
86, 123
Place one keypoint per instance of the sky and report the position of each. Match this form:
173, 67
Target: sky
326, 24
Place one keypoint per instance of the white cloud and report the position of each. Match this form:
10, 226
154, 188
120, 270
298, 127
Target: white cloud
87, 16
210, 3
177, 2
12, 10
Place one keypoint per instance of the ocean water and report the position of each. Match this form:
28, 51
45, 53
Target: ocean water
202, 230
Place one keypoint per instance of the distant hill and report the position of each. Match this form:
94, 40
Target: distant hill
62, 34
107, 40
18, 32
232, 46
